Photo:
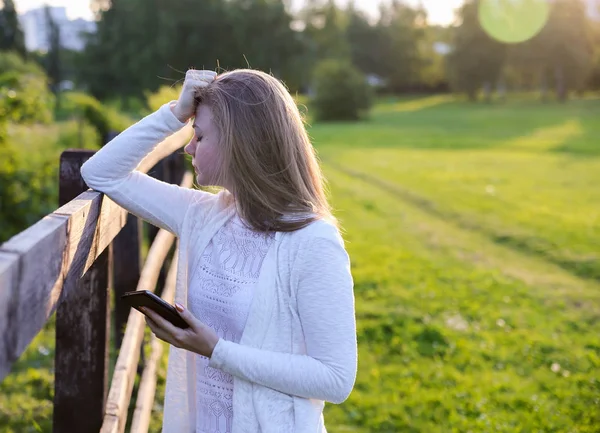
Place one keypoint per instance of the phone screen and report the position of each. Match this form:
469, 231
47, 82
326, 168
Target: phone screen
145, 298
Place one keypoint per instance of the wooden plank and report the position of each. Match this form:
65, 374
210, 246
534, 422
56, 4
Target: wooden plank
167, 147
115, 415
82, 352
48, 258
124, 375
32, 279
94, 221
147, 389
9, 273
82, 326
61, 246
127, 247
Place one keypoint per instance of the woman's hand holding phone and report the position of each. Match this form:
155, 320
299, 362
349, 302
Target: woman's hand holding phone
198, 338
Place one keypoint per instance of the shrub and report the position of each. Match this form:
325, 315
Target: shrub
24, 94
132, 106
27, 189
341, 92
26, 98
13, 62
29, 161
163, 95
104, 119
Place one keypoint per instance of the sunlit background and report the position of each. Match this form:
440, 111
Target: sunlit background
461, 144
440, 11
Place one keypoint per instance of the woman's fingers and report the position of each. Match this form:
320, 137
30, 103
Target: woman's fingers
195, 79
186, 104
201, 76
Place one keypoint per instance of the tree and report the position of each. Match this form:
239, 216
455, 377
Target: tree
141, 44
477, 59
263, 33
11, 34
122, 57
325, 30
401, 30
562, 53
363, 40
566, 47
52, 59
594, 77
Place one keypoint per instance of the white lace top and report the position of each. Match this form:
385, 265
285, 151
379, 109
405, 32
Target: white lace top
221, 290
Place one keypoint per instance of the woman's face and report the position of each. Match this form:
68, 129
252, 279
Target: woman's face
204, 147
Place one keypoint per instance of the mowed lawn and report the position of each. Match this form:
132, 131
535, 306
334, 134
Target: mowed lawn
474, 234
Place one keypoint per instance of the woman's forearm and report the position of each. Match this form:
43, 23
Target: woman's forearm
122, 155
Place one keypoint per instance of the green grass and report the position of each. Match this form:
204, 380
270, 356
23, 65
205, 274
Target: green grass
523, 174
473, 232
475, 244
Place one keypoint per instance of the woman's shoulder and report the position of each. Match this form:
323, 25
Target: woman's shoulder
319, 228
207, 209
318, 244
212, 202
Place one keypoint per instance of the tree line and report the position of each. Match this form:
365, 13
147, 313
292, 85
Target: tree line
141, 45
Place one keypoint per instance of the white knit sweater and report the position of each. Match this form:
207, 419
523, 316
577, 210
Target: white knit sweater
298, 348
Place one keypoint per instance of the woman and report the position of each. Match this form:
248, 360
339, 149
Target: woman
263, 277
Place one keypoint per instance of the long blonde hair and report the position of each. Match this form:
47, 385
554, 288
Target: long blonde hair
268, 159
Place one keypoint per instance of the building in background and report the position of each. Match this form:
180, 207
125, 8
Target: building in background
35, 28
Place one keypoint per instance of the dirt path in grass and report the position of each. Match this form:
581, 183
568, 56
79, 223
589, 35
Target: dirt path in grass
473, 244
506, 241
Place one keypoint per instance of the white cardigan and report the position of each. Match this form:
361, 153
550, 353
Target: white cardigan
299, 346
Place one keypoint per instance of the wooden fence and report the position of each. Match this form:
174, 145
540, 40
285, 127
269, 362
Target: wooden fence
68, 263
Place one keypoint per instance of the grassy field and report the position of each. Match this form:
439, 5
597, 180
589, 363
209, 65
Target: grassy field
474, 233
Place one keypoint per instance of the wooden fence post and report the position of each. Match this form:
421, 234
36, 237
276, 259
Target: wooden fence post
158, 172
82, 328
127, 247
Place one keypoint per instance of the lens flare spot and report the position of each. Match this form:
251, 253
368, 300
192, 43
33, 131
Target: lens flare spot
513, 21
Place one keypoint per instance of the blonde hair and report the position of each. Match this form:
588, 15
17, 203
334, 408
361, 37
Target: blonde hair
267, 158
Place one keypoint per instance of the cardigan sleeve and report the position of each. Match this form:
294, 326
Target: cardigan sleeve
326, 310
112, 171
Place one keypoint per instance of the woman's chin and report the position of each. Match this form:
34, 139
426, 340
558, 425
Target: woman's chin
201, 180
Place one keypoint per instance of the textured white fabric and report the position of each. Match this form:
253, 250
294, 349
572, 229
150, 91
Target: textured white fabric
298, 347
223, 279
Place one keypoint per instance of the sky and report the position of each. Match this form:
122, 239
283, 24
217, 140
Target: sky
439, 11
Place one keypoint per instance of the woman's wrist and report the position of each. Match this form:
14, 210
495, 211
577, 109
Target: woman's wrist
211, 346
177, 114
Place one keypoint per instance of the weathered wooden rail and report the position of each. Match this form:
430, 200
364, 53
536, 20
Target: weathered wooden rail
67, 263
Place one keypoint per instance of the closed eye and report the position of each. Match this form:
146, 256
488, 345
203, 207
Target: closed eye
199, 138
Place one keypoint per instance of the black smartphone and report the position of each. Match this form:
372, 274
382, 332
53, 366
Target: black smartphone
145, 298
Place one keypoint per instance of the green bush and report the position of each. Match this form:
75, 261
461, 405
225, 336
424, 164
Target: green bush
26, 98
27, 189
341, 92
24, 94
13, 62
29, 161
132, 106
163, 95
102, 118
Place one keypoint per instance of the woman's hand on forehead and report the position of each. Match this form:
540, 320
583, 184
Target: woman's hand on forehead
201, 78
185, 107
